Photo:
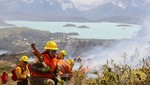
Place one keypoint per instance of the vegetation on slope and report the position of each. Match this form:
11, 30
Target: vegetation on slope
108, 74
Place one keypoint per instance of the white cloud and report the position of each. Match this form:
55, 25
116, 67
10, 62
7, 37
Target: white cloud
87, 4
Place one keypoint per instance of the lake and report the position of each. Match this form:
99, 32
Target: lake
103, 30
3, 51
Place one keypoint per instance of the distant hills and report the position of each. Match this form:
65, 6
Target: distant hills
18, 40
64, 10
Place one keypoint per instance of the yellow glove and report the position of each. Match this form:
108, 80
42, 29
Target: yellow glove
58, 79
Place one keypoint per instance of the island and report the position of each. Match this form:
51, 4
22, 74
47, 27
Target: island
69, 25
83, 26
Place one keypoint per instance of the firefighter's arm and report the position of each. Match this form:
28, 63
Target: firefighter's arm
19, 73
36, 60
38, 67
58, 74
70, 74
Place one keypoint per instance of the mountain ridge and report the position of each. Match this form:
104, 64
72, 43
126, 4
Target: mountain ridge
65, 10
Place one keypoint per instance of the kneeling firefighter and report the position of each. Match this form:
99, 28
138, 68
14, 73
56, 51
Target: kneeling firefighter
44, 70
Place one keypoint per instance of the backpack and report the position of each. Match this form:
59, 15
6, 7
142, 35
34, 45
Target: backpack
14, 76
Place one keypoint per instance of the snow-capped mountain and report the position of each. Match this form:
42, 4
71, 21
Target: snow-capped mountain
37, 9
123, 10
65, 10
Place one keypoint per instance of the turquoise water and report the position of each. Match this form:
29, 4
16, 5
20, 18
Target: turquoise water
3, 51
104, 30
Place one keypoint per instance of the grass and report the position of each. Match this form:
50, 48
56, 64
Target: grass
107, 74
115, 74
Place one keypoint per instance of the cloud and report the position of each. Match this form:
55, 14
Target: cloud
87, 4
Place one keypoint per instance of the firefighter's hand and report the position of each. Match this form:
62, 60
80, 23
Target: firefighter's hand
34, 52
58, 79
45, 69
28, 75
66, 75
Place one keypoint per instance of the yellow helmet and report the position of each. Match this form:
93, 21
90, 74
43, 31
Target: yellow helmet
24, 58
51, 45
63, 52
71, 62
79, 57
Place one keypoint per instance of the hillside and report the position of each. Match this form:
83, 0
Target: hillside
18, 40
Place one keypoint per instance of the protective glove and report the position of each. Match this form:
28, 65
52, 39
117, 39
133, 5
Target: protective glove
58, 79
28, 75
45, 69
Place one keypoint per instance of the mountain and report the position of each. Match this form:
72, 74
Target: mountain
42, 10
120, 10
64, 10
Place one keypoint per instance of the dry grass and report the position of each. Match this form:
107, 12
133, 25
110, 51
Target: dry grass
110, 74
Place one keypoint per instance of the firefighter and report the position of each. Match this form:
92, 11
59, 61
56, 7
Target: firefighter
65, 70
61, 54
46, 75
22, 72
79, 59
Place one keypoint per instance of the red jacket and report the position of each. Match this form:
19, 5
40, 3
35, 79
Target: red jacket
51, 62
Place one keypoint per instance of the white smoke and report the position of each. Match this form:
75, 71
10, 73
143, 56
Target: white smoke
128, 51
144, 32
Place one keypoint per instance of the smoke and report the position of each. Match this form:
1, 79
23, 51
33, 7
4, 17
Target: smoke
144, 32
127, 51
